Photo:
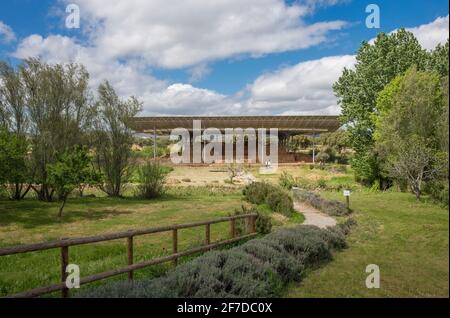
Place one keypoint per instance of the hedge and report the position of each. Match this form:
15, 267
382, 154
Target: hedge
258, 268
274, 196
330, 207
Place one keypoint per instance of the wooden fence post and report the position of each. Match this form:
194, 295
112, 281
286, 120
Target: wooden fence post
64, 263
233, 228
208, 234
175, 245
130, 255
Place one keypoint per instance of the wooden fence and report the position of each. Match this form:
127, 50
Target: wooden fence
64, 244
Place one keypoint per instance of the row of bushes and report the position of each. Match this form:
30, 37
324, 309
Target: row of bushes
275, 197
258, 268
287, 181
438, 191
330, 207
337, 168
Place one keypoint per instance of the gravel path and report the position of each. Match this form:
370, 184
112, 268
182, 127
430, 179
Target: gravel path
314, 216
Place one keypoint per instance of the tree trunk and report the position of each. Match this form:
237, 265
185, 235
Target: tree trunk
416, 191
25, 192
62, 206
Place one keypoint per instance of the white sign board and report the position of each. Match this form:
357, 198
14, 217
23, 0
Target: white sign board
346, 193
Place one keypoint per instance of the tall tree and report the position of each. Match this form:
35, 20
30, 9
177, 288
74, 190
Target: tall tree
13, 114
438, 59
407, 134
59, 111
114, 138
376, 65
13, 164
14, 123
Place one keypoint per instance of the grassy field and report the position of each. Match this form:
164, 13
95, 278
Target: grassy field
407, 239
31, 221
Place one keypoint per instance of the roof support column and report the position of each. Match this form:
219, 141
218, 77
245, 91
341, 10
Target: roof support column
154, 143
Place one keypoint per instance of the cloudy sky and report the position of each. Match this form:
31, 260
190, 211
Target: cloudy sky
221, 57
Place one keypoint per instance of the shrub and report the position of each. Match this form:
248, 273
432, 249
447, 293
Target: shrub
331, 207
305, 243
231, 273
277, 199
263, 223
256, 192
267, 251
240, 224
438, 190
152, 177
346, 226
323, 157
322, 183
258, 268
286, 181
280, 202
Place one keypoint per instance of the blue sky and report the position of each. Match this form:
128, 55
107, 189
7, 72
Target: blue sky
182, 61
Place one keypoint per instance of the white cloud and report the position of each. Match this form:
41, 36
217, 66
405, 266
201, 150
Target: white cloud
431, 34
128, 78
127, 38
179, 99
186, 33
300, 89
305, 88
6, 33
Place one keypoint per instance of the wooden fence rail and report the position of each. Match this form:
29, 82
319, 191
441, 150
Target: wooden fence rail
64, 244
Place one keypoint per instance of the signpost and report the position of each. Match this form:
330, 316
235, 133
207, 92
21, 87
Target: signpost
347, 198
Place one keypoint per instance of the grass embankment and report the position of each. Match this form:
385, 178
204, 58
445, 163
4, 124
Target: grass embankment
407, 239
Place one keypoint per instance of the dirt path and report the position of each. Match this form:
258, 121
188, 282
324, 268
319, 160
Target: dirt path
314, 216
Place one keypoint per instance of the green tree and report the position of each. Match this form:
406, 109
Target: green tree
14, 122
13, 164
59, 114
407, 133
438, 59
114, 138
300, 142
357, 89
71, 169
13, 114
337, 141
442, 125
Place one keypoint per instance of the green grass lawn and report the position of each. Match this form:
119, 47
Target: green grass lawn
32, 221
407, 239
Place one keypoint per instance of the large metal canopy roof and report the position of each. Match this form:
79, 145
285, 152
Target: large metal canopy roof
285, 124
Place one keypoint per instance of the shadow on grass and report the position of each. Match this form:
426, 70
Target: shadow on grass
44, 216
33, 213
